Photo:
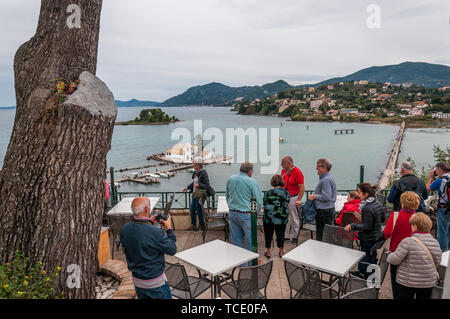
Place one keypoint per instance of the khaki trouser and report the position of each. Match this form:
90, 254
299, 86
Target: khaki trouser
293, 226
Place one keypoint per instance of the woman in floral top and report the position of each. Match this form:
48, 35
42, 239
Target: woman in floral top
276, 214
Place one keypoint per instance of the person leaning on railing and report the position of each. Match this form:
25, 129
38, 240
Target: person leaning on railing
201, 189
398, 228
443, 213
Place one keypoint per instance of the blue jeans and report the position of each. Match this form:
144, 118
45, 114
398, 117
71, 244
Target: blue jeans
162, 292
240, 226
195, 208
443, 228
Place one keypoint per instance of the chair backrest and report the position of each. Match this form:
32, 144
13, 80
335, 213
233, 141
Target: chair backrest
313, 285
441, 271
338, 236
115, 223
364, 293
295, 275
437, 292
253, 279
178, 278
349, 218
383, 264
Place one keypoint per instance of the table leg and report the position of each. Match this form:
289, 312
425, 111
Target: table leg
215, 286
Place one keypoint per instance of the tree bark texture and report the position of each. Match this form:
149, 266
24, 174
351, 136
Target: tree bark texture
52, 182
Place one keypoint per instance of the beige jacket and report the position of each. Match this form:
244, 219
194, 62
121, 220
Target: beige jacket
415, 269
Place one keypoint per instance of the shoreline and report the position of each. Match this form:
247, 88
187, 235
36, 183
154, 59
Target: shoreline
411, 124
151, 123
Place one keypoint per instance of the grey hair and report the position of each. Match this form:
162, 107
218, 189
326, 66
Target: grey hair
326, 162
246, 167
407, 166
139, 209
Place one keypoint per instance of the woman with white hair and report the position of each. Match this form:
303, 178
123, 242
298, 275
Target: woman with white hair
200, 189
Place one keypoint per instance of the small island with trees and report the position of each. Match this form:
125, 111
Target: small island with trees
151, 117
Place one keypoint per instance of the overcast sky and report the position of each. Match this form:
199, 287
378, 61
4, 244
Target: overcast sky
155, 49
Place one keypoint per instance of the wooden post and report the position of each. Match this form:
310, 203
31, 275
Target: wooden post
113, 187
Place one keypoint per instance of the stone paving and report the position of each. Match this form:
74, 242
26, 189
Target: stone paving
278, 287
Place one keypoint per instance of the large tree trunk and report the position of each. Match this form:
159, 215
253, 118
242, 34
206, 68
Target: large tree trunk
52, 181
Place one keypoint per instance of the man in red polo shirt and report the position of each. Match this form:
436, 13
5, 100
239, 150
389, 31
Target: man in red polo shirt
294, 183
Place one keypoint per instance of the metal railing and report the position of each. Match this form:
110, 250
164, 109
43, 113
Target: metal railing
182, 200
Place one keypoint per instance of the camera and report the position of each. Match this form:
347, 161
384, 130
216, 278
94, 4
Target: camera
158, 217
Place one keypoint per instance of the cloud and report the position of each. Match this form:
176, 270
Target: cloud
155, 49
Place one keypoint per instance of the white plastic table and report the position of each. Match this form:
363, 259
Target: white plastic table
340, 201
222, 206
444, 259
215, 258
123, 208
324, 257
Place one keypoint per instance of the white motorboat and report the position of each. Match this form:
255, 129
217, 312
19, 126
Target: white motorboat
163, 175
152, 175
226, 162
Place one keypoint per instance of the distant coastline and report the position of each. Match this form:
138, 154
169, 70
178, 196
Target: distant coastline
150, 123
409, 124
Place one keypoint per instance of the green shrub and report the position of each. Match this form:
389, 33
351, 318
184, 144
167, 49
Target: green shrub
20, 281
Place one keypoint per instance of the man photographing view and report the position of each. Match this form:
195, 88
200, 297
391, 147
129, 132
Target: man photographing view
441, 184
145, 245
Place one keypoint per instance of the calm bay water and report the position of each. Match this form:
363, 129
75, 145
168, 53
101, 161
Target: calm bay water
369, 146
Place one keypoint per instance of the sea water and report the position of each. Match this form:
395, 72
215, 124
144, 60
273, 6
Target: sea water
370, 145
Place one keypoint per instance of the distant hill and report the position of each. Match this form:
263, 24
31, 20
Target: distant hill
7, 107
134, 102
218, 94
420, 73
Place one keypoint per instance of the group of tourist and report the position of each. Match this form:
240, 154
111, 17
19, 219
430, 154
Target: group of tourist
414, 254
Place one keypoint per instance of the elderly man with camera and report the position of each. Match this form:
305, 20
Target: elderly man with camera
442, 185
145, 245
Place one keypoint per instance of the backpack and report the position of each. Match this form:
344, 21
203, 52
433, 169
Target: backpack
407, 188
309, 211
446, 191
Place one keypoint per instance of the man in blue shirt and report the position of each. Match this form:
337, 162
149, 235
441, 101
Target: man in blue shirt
442, 215
145, 246
241, 190
324, 197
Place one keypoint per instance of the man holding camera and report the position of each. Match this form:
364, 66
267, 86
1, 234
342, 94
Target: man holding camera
145, 246
442, 216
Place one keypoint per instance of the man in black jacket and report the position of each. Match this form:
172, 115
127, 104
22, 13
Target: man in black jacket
408, 182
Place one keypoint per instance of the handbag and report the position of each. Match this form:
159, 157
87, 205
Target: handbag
309, 211
199, 194
387, 243
429, 255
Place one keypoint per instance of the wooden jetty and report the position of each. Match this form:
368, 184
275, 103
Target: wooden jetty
344, 131
139, 180
389, 171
